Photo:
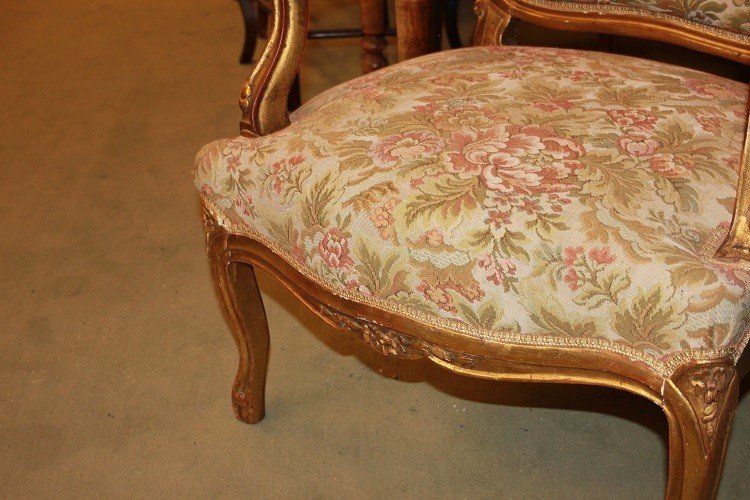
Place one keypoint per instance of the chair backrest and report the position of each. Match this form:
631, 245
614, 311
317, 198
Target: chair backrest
720, 27
726, 15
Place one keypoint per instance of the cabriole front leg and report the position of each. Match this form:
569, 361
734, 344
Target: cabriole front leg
699, 402
243, 306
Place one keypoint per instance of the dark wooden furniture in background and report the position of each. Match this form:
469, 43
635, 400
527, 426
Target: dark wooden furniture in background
419, 22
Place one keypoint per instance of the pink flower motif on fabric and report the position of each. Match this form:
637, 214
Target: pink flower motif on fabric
711, 124
571, 254
550, 106
433, 238
245, 206
438, 296
517, 160
497, 270
671, 166
601, 255
582, 267
282, 171
571, 278
632, 118
382, 218
234, 163
712, 89
406, 146
334, 248
638, 145
461, 115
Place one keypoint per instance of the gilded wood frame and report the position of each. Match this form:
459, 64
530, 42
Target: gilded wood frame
699, 398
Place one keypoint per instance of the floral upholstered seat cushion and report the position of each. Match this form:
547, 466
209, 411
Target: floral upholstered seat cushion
523, 195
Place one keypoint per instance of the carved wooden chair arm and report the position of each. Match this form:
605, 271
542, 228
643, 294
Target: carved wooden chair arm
737, 244
264, 95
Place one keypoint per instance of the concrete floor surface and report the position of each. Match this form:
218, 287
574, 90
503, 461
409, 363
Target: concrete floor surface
115, 362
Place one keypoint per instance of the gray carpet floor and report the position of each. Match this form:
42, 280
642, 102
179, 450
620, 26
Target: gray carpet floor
115, 362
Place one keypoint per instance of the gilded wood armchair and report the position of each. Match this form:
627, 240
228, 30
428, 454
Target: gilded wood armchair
511, 213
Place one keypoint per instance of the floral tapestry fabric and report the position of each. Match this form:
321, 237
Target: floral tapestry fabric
731, 15
526, 195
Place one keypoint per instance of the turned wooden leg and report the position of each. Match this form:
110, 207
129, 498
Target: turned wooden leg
374, 21
243, 306
250, 17
699, 402
417, 28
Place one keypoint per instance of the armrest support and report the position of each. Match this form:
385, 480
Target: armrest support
264, 95
737, 244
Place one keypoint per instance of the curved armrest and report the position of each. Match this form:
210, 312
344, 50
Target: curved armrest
264, 96
737, 244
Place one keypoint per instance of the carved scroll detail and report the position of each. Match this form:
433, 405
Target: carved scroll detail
383, 340
215, 233
709, 385
392, 343
372, 53
209, 223
706, 389
491, 23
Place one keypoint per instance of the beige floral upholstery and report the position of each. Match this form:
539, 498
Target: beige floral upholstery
730, 15
524, 195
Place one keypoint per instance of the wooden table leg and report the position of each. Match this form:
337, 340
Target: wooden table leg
417, 27
374, 24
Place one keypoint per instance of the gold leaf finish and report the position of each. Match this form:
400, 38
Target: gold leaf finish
698, 398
